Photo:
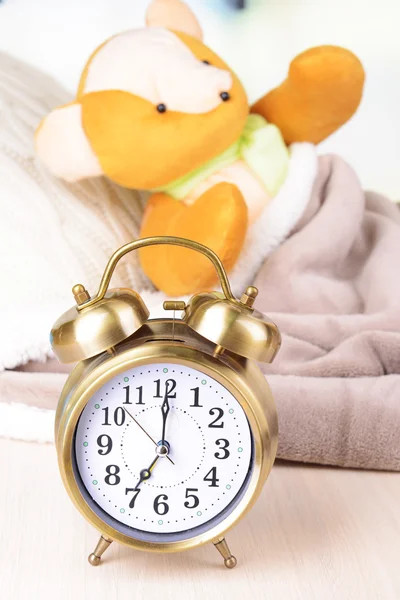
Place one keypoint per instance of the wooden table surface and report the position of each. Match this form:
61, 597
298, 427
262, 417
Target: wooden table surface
315, 533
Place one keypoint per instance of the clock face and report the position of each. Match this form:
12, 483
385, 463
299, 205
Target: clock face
163, 450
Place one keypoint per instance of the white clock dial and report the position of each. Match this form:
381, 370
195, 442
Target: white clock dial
164, 484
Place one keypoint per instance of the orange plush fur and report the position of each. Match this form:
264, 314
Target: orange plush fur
106, 114
218, 218
112, 129
309, 105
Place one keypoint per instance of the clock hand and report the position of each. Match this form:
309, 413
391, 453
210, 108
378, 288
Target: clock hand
144, 431
145, 474
139, 425
165, 408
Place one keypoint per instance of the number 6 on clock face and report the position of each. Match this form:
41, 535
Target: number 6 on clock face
155, 488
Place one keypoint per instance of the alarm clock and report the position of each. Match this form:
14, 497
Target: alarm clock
166, 429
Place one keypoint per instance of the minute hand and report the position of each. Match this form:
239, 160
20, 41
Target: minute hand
165, 408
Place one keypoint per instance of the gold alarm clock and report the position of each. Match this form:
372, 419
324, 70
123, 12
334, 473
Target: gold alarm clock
166, 429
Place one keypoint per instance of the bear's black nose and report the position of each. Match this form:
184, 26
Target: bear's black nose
161, 108
224, 96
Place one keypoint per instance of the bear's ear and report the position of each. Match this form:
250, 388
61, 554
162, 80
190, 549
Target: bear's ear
63, 147
173, 14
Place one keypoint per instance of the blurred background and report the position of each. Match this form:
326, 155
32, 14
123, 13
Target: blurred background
258, 41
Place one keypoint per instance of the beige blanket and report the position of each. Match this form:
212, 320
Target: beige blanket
334, 290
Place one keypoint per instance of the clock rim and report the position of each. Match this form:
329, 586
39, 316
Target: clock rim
240, 377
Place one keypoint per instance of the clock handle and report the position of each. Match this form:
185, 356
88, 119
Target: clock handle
154, 241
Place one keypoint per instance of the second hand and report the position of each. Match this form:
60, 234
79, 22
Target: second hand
144, 431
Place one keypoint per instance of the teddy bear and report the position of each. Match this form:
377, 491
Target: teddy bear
157, 110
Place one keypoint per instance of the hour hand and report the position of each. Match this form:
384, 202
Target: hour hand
146, 473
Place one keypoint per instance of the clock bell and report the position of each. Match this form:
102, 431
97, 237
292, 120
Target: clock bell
99, 323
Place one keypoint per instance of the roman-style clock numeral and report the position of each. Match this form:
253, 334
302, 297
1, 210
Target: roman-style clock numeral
212, 477
105, 444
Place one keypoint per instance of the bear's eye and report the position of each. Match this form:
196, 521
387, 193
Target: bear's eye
161, 108
225, 96
206, 62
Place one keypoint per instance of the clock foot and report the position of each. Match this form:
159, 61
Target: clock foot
223, 548
101, 547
